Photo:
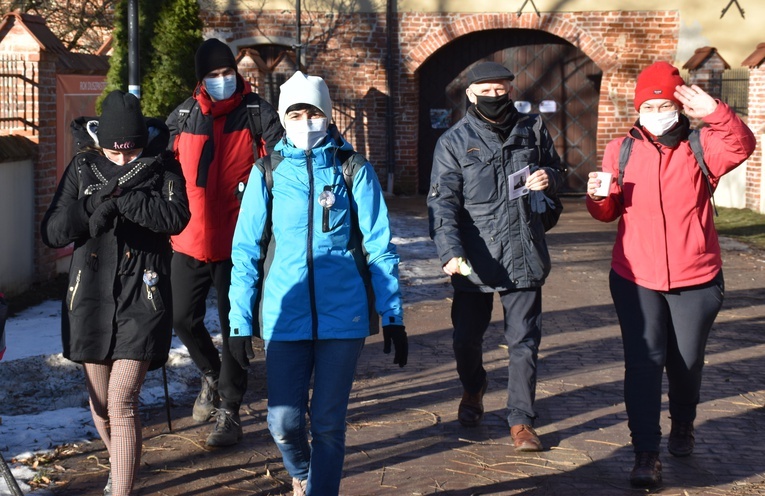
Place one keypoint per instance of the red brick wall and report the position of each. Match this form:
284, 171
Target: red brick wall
349, 50
756, 122
45, 168
16, 43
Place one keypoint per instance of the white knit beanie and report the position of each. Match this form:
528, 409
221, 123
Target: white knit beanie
305, 89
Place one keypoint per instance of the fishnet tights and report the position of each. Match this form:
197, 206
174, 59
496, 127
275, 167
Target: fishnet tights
113, 390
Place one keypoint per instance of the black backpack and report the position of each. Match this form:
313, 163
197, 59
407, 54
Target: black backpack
694, 138
551, 214
351, 162
252, 101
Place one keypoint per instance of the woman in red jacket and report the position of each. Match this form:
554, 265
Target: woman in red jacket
666, 272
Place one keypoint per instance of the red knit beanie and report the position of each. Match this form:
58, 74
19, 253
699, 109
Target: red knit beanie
658, 80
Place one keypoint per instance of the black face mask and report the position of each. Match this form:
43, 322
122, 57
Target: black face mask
493, 107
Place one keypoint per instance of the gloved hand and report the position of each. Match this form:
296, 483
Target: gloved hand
103, 218
131, 201
397, 335
240, 348
98, 197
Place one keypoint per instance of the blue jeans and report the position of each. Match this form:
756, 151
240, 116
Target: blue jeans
289, 367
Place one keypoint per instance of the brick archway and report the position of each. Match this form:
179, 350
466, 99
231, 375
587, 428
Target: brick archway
620, 43
555, 24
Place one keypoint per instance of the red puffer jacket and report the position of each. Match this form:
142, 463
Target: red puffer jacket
666, 237
216, 153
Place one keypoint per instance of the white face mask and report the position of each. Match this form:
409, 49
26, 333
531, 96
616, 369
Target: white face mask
220, 88
306, 133
658, 123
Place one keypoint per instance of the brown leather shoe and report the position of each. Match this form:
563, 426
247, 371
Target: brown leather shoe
647, 470
470, 411
681, 439
525, 438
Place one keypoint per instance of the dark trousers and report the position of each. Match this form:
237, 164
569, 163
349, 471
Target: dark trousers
192, 280
471, 315
663, 330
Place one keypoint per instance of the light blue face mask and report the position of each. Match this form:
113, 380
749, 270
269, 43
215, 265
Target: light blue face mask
220, 88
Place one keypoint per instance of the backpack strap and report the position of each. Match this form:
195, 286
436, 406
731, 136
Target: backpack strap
694, 138
256, 125
184, 112
624, 157
351, 163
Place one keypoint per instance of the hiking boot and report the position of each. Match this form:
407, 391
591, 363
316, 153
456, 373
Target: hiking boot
681, 439
298, 487
207, 400
227, 430
470, 411
108, 486
647, 469
525, 438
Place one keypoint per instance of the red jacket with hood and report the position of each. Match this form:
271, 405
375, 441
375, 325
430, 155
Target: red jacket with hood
666, 236
216, 153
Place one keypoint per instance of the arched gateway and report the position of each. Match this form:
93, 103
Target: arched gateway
553, 78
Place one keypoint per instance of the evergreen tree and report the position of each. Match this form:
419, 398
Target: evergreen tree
171, 78
117, 77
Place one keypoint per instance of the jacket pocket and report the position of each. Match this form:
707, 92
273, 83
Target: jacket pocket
479, 180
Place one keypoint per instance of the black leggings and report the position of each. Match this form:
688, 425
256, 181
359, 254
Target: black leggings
663, 329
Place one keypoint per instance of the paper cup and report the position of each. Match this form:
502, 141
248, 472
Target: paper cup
605, 183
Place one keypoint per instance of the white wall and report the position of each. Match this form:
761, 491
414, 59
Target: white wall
731, 191
16, 226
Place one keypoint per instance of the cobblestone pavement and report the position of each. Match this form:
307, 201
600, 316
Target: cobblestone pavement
403, 436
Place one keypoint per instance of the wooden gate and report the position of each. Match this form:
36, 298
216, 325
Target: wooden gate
547, 68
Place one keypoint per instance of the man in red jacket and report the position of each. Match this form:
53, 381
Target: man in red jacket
216, 134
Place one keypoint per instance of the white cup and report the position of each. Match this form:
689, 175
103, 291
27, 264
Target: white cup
605, 183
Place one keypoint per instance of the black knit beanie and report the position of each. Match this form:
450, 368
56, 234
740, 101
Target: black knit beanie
121, 125
212, 54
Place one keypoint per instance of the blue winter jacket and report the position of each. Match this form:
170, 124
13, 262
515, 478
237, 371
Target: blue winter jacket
312, 288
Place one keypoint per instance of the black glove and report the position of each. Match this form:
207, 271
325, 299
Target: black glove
98, 197
103, 218
130, 202
240, 348
397, 334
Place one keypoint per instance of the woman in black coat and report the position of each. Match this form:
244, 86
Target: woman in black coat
118, 202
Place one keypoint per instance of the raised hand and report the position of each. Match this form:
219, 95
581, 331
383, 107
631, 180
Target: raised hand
697, 103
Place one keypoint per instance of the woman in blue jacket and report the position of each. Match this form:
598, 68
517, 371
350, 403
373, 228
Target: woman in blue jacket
292, 260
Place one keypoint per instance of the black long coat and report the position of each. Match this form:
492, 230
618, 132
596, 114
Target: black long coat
110, 312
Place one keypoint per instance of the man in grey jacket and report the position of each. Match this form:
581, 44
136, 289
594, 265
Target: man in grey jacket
490, 238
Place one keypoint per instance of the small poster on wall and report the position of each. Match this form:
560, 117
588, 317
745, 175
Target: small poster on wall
440, 118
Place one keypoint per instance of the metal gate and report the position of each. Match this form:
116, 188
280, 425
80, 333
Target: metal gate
547, 68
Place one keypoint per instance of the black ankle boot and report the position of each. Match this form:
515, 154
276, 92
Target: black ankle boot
681, 439
647, 469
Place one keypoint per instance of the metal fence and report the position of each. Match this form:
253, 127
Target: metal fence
19, 94
731, 86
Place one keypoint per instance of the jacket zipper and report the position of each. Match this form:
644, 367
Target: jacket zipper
75, 288
309, 251
170, 191
150, 296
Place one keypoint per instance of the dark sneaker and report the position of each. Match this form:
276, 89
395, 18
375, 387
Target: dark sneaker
470, 411
681, 439
525, 438
227, 430
298, 487
207, 400
108, 486
647, 470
